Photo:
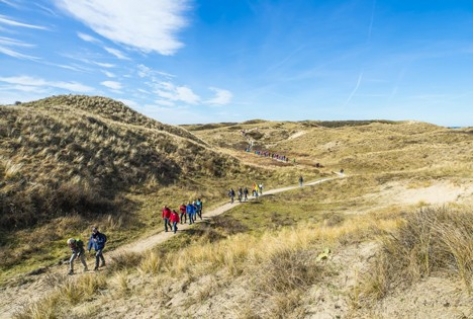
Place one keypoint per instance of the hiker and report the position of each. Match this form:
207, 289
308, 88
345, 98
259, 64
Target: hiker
77, 249
231, 195
97, 241
199, 208
190, 210
301, 181
239, 194
165, 215
255, 190
260, 188
174, 218
342, 171
246, 194
182, 209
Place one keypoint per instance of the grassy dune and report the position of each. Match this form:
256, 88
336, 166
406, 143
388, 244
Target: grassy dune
342, 243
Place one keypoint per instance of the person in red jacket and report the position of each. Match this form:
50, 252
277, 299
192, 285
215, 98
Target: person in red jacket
165, 215
182, 209
174, 218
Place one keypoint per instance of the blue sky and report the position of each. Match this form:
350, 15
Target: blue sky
183, 62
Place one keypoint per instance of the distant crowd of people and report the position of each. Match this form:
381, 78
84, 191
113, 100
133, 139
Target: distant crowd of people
272, 155
243, 193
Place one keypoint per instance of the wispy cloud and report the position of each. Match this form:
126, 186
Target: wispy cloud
6, 45
150, 26
87, 38
117, 53
144, 71
15, 54
170, 92
7, 21
38, 82
109, 74
222, 97
104, 65
10, 3
112, 85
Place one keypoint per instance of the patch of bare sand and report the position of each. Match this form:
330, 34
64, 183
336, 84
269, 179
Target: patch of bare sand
297, 134
404, 194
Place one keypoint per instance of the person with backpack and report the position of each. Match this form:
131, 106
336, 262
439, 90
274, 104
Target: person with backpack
301, 181
77, 248
97, 241
165, 215
246, 194
174, 218
199, 208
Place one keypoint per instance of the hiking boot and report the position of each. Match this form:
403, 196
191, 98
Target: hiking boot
96, 268
71, 272
102, 265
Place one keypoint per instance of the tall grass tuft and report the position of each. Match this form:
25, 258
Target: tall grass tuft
430, 239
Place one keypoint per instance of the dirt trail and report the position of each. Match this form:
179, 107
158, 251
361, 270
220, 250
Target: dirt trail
36, 285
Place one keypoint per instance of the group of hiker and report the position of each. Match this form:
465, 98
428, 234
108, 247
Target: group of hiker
188, 211
97, 241
243, 193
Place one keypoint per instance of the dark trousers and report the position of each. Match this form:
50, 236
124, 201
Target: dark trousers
99, 257
167, 223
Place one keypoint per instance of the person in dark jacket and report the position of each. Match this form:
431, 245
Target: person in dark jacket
97, 241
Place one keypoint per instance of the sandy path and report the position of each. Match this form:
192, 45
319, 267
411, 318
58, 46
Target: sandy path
35, 286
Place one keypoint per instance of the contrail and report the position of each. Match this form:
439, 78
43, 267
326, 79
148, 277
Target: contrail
371, 21
355, 89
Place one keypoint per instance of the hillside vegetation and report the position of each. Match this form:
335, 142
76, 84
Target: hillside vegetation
69, 161
389, 238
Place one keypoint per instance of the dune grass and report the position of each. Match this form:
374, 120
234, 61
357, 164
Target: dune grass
68, 162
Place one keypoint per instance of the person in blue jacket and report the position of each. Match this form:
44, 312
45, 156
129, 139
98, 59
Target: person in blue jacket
97, 241
191, 210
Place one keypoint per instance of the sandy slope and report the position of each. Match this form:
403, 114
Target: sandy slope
434, 297
34, 286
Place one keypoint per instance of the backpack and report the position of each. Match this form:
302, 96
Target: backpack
79, 244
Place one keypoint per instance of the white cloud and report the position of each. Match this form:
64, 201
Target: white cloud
5, 20
15, 54
149, 25
117, 53
109, 74
87, 37
37, 82
104, 65
14, 42
222, 97
169, 91
7, 43
144, 71
112, 85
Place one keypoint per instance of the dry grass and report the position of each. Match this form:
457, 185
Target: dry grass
429, 240
69, 161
